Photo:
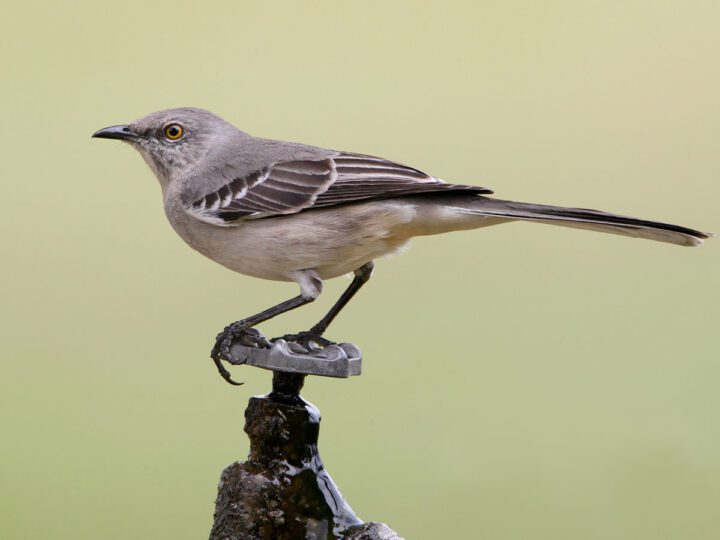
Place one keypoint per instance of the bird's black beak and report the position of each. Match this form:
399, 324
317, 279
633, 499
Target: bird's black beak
116, 132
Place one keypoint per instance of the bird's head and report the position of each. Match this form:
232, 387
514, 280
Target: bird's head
171, 141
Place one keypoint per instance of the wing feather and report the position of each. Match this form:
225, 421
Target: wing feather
289, 187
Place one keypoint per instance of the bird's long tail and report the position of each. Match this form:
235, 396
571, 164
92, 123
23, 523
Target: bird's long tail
580, 218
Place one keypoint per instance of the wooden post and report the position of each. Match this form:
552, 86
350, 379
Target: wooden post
282, 491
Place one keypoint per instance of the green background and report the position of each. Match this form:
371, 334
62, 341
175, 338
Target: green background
520, 382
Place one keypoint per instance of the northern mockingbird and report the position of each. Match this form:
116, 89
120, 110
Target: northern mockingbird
291, 212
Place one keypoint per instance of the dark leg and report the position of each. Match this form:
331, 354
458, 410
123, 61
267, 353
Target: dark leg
362, 275
225, 338
314, 335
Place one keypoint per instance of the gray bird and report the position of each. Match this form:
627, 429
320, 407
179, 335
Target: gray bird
291, 212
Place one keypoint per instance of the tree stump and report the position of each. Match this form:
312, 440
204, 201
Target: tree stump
282, 491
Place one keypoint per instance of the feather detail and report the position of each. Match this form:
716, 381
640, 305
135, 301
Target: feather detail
289, 187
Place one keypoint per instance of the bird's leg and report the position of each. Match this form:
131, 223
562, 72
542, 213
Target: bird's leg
310, 288
242, 328
362, 275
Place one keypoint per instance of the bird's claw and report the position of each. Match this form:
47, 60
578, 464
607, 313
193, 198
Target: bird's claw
305, 342
237, 331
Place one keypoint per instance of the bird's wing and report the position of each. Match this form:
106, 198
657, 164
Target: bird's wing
288, 187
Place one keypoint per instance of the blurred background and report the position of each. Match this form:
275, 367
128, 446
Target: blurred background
519, 382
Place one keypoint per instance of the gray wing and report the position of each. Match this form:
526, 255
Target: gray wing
288, 187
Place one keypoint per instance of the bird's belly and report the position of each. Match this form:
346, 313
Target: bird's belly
333, 242
280, 259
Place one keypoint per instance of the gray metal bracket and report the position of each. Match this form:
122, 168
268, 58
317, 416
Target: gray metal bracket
340, 360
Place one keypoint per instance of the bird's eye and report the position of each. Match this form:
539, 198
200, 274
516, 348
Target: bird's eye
173, 132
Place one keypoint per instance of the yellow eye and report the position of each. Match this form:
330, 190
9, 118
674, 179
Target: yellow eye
173, 132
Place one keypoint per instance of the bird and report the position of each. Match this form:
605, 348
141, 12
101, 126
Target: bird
292, 212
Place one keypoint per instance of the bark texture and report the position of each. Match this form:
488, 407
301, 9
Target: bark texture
282, 491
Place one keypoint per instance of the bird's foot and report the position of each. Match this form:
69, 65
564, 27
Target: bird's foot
305, 342
240, 332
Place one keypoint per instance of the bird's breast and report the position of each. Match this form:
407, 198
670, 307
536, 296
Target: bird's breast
333, 241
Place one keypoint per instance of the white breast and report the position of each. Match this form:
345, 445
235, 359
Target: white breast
333, 241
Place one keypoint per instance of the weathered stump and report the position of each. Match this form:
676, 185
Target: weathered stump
282, 491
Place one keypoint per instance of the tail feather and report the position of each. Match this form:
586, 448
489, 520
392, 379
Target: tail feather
586, 219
